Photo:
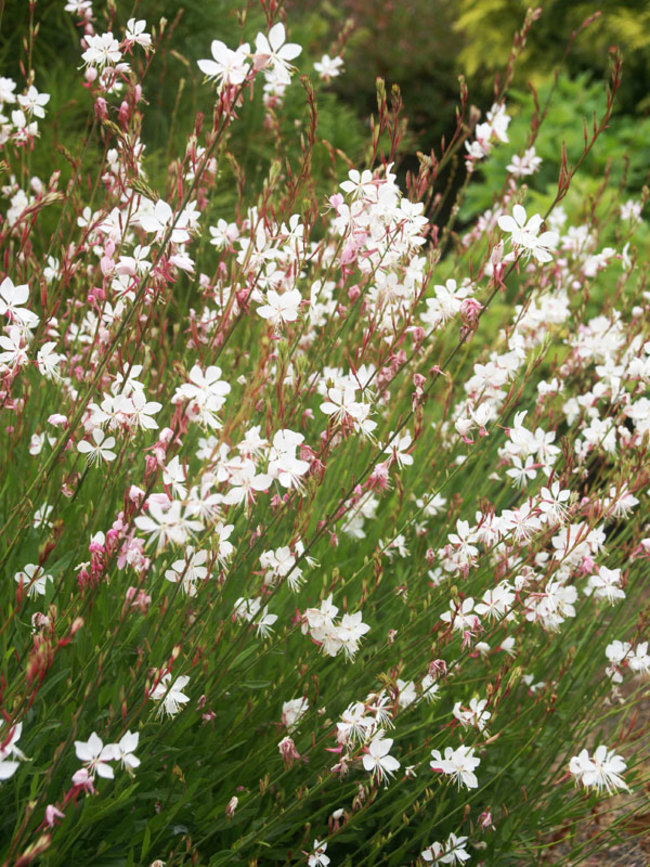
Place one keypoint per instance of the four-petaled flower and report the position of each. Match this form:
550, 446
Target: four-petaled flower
170, 694
525, 236
96, 756
101, 450
458, 764
376, 759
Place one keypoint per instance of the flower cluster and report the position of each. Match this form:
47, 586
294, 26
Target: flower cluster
334, 637
97, 756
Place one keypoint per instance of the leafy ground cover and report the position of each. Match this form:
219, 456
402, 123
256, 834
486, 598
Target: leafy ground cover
324, 500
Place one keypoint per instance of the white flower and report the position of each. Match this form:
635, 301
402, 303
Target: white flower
8, 748
189, 570
265, 623
165, 522
48, 360
606, 585
639, 660
135, 33
525, 235
602, 771
124, 750
318, 858
206, 393
95, 756
293, 711
161, 219
276, 54
32, 102
7, 87
229, 68
458, 764
170, 694
102, 49
33, 580
11, 300
526, 165
329, 67
376, 760
280, 309
101, 450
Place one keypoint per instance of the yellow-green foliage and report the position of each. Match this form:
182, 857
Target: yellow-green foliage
489, 25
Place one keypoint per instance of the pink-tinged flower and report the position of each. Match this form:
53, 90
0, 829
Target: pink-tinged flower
376, 760
135, 33
458, 764
525, 236
228, 68
275, 53
96, 756
288, 751
52, 813
318, 858
84, 780
526, 165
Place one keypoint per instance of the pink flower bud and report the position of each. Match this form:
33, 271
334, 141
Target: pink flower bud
288, 751
51, 814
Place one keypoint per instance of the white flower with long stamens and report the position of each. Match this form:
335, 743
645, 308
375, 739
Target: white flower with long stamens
206, 393
32, 102
228, 68
96, 756
166, 523
318, 858
102, 448
602, 771
124, 751
170, 694
458, 764
524, 234
376, 759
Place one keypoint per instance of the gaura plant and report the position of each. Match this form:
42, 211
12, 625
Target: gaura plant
324, 519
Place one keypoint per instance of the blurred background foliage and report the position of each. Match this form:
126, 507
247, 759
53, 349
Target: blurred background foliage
421, 45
